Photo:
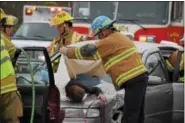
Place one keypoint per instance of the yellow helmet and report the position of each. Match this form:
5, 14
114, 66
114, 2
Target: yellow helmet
60, 18
10, 20
2, 14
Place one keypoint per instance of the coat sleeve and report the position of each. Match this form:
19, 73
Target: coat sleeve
11, 49
52, 49
103, 50
79, 53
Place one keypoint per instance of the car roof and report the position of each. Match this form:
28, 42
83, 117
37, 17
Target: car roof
141, 46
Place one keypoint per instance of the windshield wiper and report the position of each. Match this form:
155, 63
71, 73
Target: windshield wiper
133, 21
40, 36
19, 36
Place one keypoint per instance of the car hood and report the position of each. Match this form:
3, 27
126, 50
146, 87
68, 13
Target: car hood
30, 43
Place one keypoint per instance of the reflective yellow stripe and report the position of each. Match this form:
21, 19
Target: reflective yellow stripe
181, 79
5, 62
74, 37
130, 74
119, 57
169, 66
182, 62
8, 88
97, 56
78, 54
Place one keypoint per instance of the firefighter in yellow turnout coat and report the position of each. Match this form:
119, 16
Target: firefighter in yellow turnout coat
63, 22
122, 61
11, 105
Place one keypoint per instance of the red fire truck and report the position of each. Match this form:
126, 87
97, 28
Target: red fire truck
148, 21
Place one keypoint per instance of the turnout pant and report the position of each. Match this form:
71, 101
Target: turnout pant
10, 107
135, 90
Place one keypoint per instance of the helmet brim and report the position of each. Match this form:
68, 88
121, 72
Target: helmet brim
52, 23
104, 28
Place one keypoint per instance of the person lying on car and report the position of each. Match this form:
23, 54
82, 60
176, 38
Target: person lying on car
75, 91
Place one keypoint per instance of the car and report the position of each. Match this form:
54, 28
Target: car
164, 96
47, 97
35, 33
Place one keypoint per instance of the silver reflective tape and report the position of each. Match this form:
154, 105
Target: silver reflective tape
6, 58
2, 48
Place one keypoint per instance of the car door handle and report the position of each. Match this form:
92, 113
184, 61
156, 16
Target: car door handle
168, 91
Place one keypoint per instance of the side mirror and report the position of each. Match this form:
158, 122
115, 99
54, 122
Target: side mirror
155, 80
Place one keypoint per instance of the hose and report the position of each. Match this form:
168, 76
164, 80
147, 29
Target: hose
33, 86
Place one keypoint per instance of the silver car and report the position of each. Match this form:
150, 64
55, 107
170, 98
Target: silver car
164, 97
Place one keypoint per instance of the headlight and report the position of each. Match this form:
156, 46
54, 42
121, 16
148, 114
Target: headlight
80, 113
147, 38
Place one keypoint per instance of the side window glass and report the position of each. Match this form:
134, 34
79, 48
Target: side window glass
177, 10
23, 71
155, 66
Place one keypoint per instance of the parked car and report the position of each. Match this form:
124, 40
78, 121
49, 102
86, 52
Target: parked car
164, 97
47, 96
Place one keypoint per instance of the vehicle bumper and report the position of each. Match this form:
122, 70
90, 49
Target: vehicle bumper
81, 120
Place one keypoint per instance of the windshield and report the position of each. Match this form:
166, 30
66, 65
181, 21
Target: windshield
144, 12
87, 11
36, 31
140, 12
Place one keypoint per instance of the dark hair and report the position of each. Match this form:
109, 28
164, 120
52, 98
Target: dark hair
113, 29
69, 23
2, 22
76, 93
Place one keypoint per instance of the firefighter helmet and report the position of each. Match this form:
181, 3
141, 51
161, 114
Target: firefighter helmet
60, 18
99, 23
10, 20
7, 19
2, 13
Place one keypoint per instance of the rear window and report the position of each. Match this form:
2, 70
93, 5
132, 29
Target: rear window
36, 31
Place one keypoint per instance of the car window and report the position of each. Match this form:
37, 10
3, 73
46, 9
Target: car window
23, 71
36, 31
155, 65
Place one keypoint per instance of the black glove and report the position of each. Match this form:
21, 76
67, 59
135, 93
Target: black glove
17, 52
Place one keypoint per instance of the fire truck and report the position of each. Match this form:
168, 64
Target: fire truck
148, 21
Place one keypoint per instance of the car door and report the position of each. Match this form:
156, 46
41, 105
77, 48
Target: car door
159, 93
178, 92
31, 77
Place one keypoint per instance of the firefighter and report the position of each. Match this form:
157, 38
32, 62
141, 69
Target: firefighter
8, 95
64, 24
7, 26
7, 22
122, 61
172, 61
